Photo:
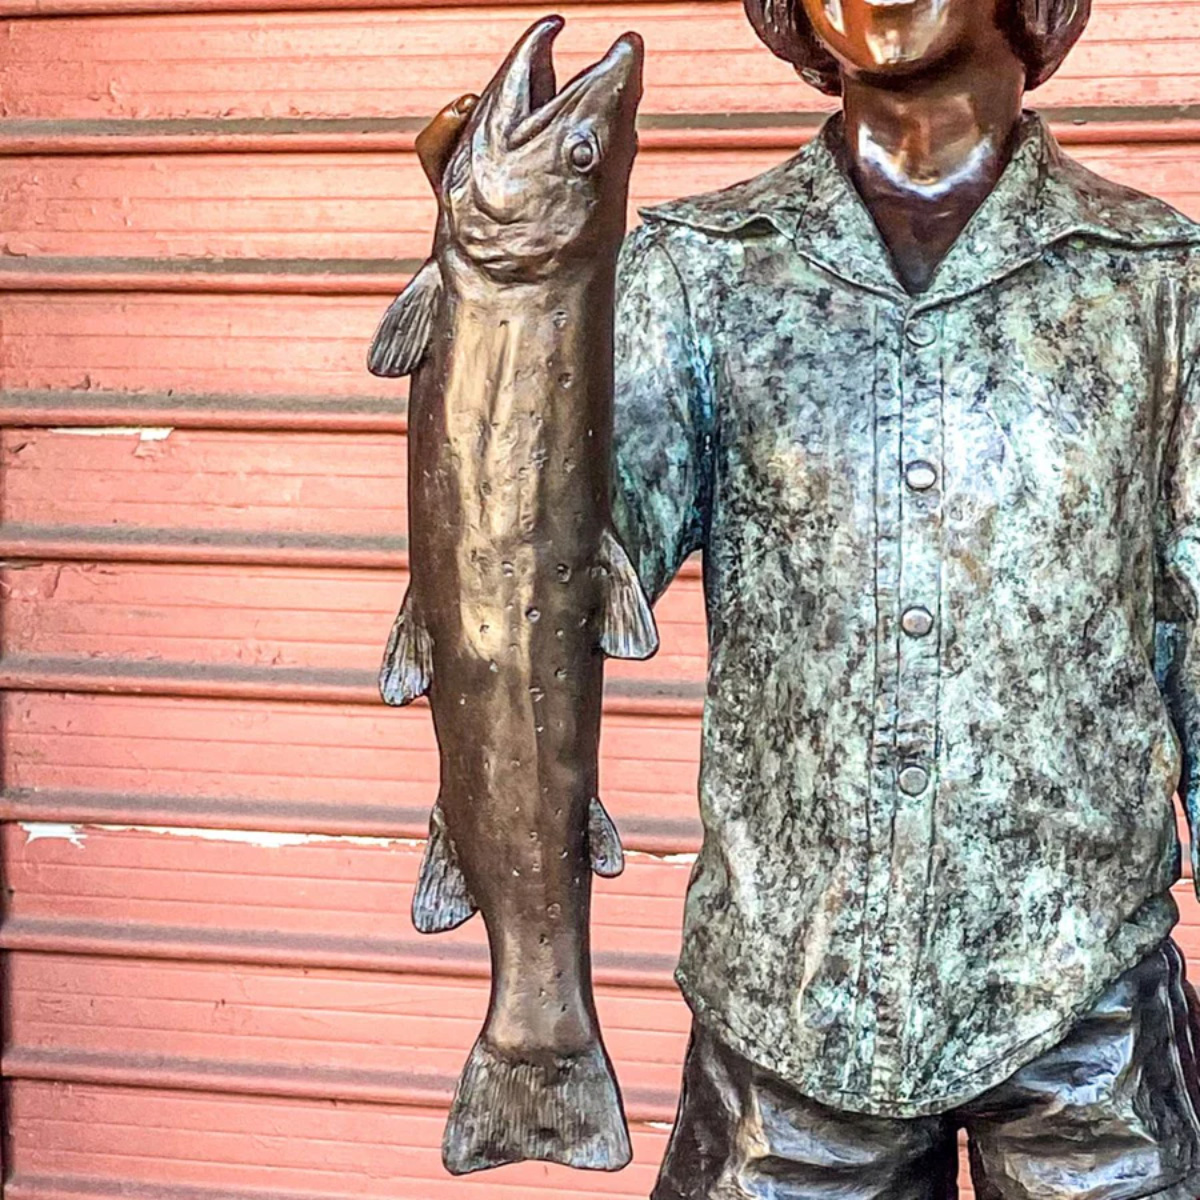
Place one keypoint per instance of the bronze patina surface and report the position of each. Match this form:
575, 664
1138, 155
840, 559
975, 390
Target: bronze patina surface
927, 399
518, 584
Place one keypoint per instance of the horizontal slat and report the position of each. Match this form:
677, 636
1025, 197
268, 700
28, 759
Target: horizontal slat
95, 544
391, 1038
301, 768
303, 900
245, 345
656, 131
319, 218
652, 697
308, 485
226, 276
701, 58
295, 619
333, 223
651, 834
81, 1142
182, 410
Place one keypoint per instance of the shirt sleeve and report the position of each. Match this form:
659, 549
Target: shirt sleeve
661, 419
1177, 600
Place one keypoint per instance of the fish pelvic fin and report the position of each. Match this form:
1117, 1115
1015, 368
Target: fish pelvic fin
407, 668
553, 1108
442, 901
628, 629
403, 335
604, 842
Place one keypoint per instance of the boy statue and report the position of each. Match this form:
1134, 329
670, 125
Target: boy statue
927, 397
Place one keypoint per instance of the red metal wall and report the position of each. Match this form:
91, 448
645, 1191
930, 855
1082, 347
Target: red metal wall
212, 826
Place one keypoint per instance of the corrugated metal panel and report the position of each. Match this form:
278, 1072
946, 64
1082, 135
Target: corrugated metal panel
212, 987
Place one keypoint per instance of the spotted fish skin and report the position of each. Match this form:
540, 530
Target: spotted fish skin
519, 587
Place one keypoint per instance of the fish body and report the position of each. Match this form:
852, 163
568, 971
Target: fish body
518, 585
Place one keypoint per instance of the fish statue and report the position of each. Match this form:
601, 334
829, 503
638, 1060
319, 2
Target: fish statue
518, 584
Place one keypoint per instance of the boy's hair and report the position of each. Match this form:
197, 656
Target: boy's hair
1041, 31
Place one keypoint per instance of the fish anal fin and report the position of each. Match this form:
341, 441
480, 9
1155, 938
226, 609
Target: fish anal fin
403, 335
442, 901
604, 842
407, 667
627, 629
552, 1108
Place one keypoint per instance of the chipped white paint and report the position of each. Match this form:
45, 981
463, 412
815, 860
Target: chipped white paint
263, 838
266, 839
144, 433
682, 859
45, 831
665, 1126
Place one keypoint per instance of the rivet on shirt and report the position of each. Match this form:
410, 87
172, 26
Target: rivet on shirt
922, 332
920, 475
916, 621
913, 780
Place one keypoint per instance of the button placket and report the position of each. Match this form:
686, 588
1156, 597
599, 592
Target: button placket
881, 801
917, 645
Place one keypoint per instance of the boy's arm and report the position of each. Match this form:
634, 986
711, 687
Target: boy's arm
1177, 601
662, 414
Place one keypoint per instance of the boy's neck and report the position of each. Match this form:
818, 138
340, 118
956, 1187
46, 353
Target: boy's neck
925, 153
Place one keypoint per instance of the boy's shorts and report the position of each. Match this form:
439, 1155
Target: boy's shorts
1111, 1113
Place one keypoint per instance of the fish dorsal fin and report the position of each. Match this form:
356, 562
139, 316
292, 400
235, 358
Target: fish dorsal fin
627, 629
403, 335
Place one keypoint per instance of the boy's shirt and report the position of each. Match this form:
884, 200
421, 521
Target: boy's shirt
942, 536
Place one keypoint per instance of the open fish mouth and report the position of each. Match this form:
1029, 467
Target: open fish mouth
526, 86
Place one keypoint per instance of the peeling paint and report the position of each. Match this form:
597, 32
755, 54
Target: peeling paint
262, 838
684, 859
44, 831
144, 433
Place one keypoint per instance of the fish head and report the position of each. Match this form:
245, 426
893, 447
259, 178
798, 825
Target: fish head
541, 176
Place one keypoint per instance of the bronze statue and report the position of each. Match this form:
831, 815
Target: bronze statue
518, 584
926, 396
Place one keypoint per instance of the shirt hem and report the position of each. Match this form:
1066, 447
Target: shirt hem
969, 1087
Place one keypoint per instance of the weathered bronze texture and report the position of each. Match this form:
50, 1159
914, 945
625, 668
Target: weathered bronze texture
926, 398
518, 584
1109, 1112
931, 93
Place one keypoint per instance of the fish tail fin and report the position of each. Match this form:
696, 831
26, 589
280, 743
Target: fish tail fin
604, 842
407, 667
555, 1108
627, 630
403, 335
442, 901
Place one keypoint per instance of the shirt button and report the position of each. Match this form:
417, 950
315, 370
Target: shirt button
922, 332
920, 475
913, 780
916, 621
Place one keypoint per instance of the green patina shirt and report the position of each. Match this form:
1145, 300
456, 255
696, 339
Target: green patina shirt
952, 567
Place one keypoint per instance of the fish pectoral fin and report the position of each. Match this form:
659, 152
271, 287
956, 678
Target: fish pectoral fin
407, 668
550, 1107
604, 842
403, 335
628, 629
442, 901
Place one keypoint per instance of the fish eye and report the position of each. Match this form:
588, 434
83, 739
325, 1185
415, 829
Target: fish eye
583, 154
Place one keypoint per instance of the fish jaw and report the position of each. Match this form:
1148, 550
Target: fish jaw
541, 176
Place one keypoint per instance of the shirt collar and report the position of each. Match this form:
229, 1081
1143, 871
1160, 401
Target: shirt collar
1041, 198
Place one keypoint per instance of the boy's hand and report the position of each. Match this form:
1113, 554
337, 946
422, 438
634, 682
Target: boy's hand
436, 142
